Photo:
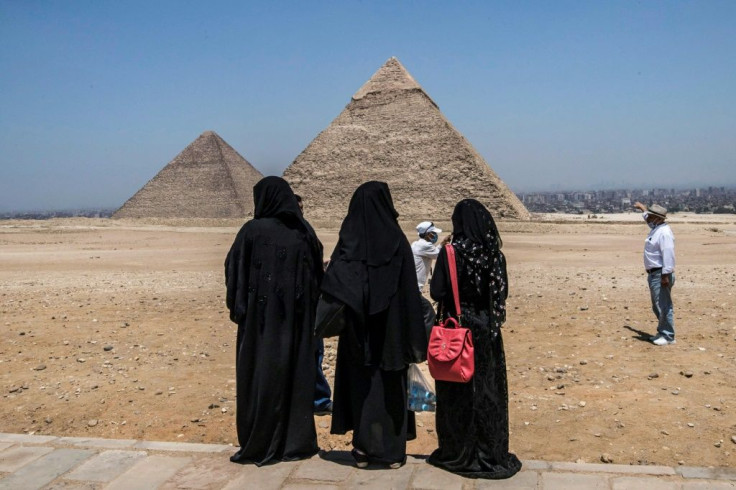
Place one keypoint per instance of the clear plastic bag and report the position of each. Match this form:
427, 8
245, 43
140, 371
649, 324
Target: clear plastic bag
421, 396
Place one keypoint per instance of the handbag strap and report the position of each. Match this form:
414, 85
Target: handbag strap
453, 276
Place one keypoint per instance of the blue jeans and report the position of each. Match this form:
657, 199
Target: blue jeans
322, 391
662, 303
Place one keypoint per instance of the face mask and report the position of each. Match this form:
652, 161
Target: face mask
651, 225
434, 238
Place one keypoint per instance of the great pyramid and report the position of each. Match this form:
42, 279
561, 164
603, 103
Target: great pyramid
394, 132
208, 179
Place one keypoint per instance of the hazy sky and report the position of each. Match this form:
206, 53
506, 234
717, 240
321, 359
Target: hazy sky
97, 96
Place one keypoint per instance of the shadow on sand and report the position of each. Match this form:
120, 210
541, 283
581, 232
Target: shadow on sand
640, 335
344, 458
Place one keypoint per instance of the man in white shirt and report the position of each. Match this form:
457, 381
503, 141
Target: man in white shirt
659, 262
425, 251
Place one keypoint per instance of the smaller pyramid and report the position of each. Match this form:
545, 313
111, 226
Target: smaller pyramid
208, 179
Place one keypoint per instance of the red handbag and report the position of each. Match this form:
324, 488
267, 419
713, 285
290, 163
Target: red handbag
450, 353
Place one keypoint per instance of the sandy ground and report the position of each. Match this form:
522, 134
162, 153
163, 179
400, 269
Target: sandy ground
119, 329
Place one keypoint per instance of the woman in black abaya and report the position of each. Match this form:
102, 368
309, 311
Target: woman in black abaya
272, 272
472, 419
372, 272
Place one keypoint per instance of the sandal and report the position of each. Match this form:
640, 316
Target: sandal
361, 459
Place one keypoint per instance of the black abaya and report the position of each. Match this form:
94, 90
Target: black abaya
372, 272
272, 274
472, 418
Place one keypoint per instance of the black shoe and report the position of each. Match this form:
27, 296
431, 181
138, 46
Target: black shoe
324, 411
361, 460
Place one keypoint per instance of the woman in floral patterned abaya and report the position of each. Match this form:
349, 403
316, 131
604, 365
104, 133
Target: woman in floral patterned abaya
472, 419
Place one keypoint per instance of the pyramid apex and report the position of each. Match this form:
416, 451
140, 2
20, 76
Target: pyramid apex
209, 132
392, 76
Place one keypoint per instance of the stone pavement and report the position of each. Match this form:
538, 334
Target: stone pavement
29, 462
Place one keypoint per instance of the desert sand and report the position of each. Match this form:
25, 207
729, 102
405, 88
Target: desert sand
118, 328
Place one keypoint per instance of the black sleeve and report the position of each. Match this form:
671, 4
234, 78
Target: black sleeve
237, 270
439, 286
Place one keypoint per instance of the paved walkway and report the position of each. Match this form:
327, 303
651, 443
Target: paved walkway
29, 462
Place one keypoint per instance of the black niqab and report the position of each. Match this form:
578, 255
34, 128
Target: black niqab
369, 243
476, 239
274, 198
472, 220
370, 232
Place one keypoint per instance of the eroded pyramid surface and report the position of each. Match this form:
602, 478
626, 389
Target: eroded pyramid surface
394, 132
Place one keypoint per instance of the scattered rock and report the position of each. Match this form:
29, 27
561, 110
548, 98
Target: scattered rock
653, 375
690, 424
14, 389
606, 458
92, 423
324, 424
582, 404
40, 367
687, 374
213, 405
733, 439
81, 359
107, 348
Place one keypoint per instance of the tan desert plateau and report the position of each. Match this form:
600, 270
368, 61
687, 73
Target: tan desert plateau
118, 329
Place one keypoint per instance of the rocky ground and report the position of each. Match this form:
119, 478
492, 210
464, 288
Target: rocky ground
119, 329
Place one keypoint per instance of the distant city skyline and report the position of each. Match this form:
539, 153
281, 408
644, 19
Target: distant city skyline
714, 199
97, 97
704, 199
